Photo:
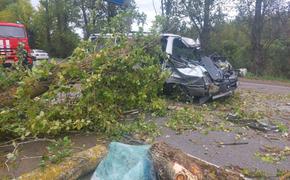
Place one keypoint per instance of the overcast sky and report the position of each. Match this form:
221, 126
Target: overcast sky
145, 6
149, 7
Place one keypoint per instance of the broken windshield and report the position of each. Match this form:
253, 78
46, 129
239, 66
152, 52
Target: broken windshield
180, 50
11, 31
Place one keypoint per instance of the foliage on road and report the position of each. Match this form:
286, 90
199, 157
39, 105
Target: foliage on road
57, 151
243, 109
116, 80
185, 119
273, 154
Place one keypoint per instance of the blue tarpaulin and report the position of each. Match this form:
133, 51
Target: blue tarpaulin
126, 162
119, 2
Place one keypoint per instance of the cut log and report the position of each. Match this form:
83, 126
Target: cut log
72, 168
173, 164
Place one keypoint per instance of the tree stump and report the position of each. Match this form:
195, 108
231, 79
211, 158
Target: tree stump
173, 164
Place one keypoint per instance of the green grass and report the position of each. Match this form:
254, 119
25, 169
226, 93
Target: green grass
253, 173
281, 127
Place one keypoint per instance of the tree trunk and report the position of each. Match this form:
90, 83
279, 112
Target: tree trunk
168, 14
111, 10
48, 24
162, 7
257, 27
86, 26
173, 164
205, 32
71, 168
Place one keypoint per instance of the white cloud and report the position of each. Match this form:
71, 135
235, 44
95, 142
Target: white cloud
151, 8
35, 3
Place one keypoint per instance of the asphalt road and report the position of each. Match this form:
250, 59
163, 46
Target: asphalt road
205, 146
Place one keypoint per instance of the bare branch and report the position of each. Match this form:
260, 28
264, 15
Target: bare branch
27, 142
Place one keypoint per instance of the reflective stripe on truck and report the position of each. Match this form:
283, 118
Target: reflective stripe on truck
1, 44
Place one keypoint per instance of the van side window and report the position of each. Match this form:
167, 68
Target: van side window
163, 44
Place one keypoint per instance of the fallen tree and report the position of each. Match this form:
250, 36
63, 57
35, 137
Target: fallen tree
110, 83
72, 168
81, 60
173, 164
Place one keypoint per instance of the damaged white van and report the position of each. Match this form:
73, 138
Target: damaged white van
197, 75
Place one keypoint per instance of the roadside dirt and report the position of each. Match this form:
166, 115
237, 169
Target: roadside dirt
270, 98
265, 86
268, 82
29, 155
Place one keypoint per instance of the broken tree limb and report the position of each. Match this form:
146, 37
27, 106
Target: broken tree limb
71, 168
173, 164
7, 97
285, 177
233, 144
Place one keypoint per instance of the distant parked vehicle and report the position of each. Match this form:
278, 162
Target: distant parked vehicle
39, 54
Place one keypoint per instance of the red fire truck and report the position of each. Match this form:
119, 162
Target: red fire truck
13, 36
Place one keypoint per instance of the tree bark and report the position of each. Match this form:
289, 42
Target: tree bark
7, 97
205, 32
257, 27
86, 21
162, 7
173, 164
168, 14
48, 22
71, 168
111, 11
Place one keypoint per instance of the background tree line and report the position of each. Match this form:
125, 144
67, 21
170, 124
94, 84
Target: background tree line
257, 37
53, 25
